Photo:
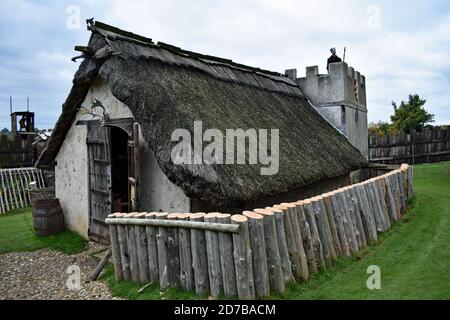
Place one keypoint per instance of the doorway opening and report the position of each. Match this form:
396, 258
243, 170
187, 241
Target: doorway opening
119, 170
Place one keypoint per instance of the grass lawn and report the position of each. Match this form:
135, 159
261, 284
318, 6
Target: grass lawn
16, 234
413, 256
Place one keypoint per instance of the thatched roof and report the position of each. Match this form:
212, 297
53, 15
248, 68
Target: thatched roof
168, 88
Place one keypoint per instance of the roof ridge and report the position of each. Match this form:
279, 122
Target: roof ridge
163, 45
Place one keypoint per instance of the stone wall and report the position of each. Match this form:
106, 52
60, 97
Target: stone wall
340, 97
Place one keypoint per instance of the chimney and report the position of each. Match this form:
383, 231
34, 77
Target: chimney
291, 74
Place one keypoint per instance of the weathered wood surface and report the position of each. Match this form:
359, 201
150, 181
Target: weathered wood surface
142, 250
286, 265
173, 252
132, 249
275, 271
226, 258
292, 211
347, 220
339, 223
429, 145
243, 258
186, 271
259, 257
162, 242
213, 254
390, 200
152, 249
357, 213
115, 247
294, 255
123, 246
334, 234
176, 224
15, 187
372, 196
199, 257
310, 217
367, 221
307, 238
258, 252
102, 264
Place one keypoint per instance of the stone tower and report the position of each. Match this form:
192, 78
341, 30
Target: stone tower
340, 97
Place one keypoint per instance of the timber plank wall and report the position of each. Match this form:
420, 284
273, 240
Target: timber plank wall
429, 145
256, 253
16, 150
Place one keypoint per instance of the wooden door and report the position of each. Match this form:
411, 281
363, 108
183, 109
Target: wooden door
99, 155
133, 168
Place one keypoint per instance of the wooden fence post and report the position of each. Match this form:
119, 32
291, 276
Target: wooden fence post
259, 257
186, 272
226, 258
292, 211
132, 249
340, 226
382, 199
173, 246
372, 196
213, 254
294, 255
347, 220
162, 239
390, 201
310, 217
142, 250
308, 244
243, 258
122, 232
152, 248
114, 238
327, 227
357, 214
199, 257
276, 281
286, 265
370, 229
334, 234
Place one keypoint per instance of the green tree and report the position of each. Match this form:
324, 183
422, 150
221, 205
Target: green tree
382, 128
411, 115
5, 130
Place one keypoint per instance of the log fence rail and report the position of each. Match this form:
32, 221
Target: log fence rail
256, 253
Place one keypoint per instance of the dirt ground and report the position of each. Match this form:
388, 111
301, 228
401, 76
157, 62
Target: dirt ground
48, 274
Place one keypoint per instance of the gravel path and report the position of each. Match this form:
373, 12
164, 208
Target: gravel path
43, 274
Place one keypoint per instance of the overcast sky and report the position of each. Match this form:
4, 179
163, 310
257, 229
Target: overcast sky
401, 47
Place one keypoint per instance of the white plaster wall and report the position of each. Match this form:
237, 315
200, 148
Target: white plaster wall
71, 171
71, 184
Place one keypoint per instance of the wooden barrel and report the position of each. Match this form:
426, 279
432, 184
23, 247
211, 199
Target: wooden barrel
48, 217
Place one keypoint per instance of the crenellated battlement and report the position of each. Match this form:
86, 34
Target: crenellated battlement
341, 85
340, 97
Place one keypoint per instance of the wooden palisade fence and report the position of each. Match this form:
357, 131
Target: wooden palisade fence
14, 187
253, 254
429, 145
16, 150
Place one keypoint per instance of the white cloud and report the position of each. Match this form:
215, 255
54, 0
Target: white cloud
406, 55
